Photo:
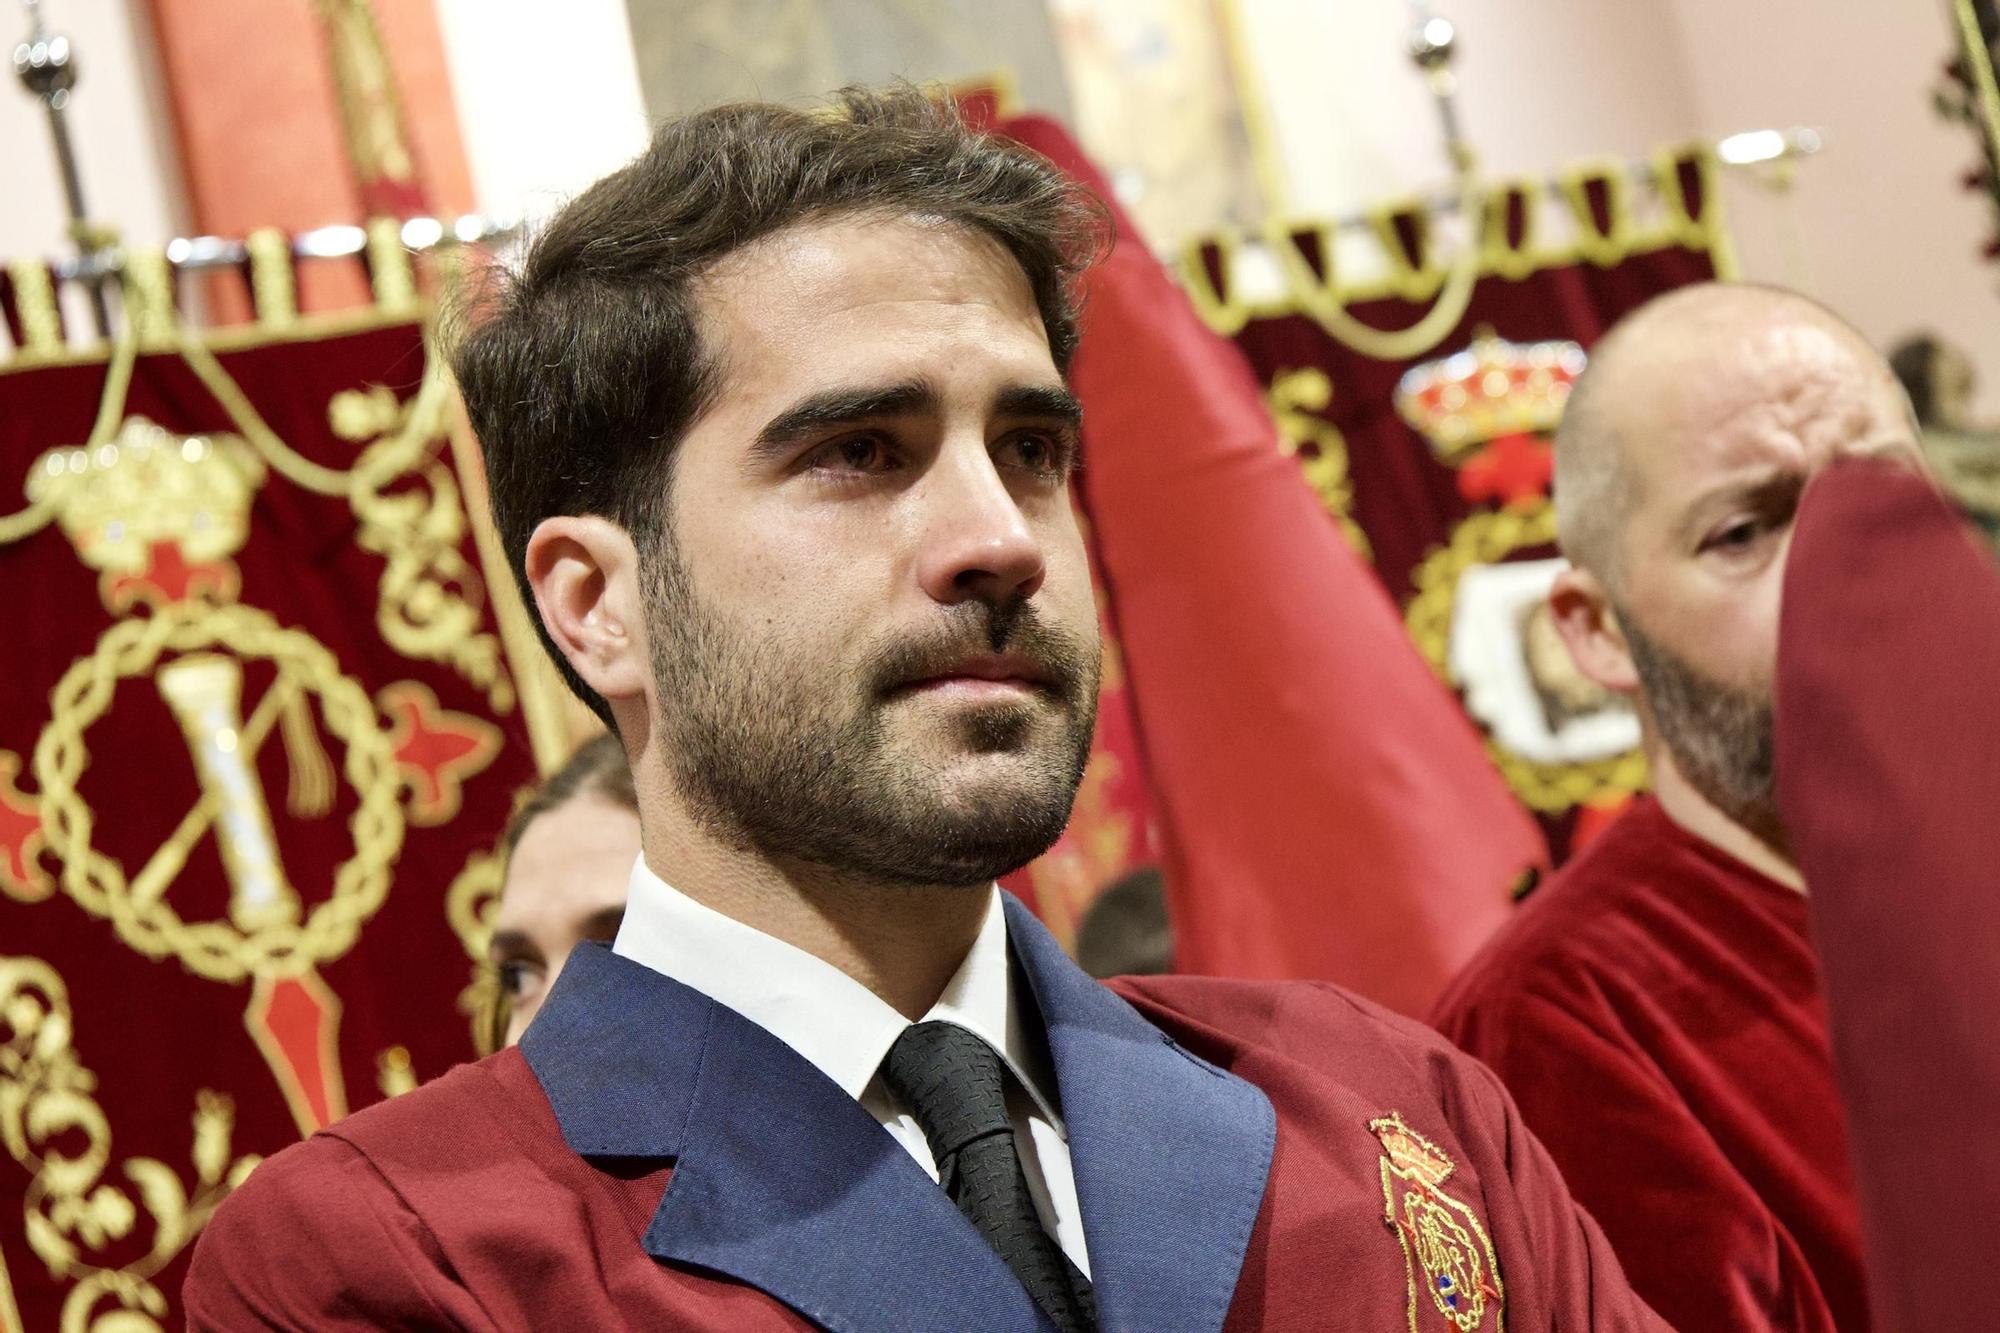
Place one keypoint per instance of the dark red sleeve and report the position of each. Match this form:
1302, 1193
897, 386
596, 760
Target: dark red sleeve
1576, 1283
315, 1239
1889, 781
1695, 1241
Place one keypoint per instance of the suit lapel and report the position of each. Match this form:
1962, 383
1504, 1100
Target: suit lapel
1171, 1154
781, 1180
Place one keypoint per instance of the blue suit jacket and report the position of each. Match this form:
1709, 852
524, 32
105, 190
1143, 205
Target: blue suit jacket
783, 1181
1247, 1156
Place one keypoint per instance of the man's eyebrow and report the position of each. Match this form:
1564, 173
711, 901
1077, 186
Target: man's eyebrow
1048, 401
1779, 485
844, 407
509, 944
603, 923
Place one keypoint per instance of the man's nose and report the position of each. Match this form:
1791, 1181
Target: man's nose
978, 545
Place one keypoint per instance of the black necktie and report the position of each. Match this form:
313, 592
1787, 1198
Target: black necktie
956, 1087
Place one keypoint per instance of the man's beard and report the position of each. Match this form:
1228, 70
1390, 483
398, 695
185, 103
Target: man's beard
1721, 737
786, 753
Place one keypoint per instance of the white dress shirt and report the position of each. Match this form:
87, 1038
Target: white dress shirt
845, 1030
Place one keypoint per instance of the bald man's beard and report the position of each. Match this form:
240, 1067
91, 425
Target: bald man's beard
1721, 737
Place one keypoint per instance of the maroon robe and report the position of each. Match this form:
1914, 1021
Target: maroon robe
1889, 781
1247, 1156
1655, 1010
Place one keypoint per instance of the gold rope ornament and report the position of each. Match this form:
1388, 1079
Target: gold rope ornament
1319, 298
262, 938
1487, 538
54, 1129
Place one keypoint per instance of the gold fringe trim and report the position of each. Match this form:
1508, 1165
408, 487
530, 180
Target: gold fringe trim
273, 286
1207, 263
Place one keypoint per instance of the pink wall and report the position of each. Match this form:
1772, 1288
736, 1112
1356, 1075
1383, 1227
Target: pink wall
1877, 227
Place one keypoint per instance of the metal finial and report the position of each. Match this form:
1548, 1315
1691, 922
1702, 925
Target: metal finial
46, 66
44, 63
1433, 43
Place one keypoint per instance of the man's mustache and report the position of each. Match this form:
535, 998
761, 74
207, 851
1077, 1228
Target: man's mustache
1065, 661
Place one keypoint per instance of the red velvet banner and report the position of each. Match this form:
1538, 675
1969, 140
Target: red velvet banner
1438, 466
257, 732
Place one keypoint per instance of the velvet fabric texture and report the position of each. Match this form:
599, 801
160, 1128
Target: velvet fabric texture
1656, 1013
164, 1025
1889, 782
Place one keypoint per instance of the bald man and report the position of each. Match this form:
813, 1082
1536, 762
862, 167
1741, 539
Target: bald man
1656, 1008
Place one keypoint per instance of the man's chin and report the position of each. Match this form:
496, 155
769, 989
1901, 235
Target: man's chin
986, 780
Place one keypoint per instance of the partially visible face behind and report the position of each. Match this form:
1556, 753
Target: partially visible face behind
1721, 434
871, 625
566, 883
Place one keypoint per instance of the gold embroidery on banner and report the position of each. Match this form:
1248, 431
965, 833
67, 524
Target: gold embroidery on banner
273, 286
136, 905
548, 709
394, 1072
35, 300
106, 496
469, 905
1297, 400
1207, 264
146, 283
1446, 1251
119, 502
431, 594
390, 270
72, 1213
1487, 537
204, 691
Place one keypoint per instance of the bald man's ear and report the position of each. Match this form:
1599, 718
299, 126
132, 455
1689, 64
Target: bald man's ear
585, 573
1584, 616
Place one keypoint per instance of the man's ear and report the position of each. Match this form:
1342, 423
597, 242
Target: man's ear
1584, 616
585, 573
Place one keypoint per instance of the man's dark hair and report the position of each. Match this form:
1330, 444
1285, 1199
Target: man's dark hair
583, 370
598, 768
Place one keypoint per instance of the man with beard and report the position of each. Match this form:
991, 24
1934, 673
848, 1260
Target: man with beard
779, 438
1656, 1008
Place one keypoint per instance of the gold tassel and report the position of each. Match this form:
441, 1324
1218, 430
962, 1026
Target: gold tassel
310, 793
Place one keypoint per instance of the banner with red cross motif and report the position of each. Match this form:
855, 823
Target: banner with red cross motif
258, 723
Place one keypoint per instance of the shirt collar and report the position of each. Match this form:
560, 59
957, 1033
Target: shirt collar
837, 1024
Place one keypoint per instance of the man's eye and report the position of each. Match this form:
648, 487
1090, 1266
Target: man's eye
1735, 537
517, 979
857, 453
1038, 452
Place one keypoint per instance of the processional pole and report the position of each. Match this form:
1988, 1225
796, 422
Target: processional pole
1433, 43
46, 66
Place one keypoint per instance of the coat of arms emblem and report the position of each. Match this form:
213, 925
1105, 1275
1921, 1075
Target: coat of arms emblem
1445, 1248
